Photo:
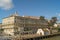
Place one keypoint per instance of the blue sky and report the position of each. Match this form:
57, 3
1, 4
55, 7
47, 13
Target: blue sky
47, 8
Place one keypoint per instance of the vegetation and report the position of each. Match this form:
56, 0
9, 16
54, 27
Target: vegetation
1, 29
58, 29
42, 18
52, 21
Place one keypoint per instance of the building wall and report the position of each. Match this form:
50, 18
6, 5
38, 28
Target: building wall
19, 24
8, 25
9, 31
8, 20
29, 24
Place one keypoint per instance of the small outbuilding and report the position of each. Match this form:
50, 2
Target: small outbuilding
40, 32
46, 31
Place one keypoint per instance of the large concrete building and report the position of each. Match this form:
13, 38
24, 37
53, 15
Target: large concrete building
15, 24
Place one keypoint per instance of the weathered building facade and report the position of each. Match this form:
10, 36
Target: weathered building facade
15, 24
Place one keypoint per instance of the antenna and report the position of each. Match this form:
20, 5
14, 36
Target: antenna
15, 14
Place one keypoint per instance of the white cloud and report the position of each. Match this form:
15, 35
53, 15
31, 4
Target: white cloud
6, 4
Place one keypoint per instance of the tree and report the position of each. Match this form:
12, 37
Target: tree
52, 21
42, 18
